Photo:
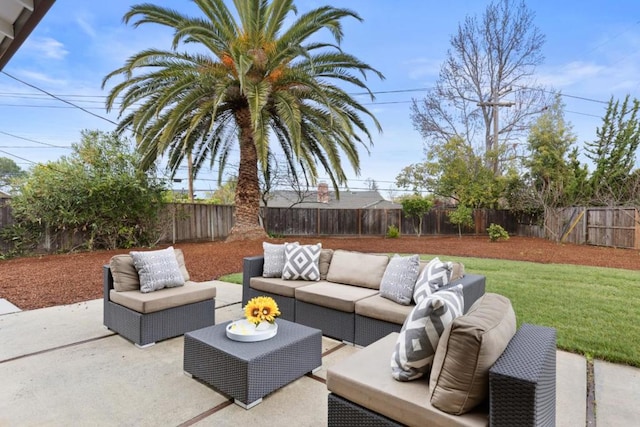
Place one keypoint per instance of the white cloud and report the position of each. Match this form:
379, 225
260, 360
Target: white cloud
419, 68
569, 74
86, 26
32, 76
46, 47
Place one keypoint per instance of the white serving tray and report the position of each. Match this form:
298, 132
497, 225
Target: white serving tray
245, 331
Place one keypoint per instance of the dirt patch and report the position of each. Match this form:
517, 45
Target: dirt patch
45, 281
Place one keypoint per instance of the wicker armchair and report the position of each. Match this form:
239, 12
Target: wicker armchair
145, 329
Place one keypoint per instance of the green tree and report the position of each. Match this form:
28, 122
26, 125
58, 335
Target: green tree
9, 171
552, 166
614, 152
252, 78
453, 170
224, 195
417, 207
96, 191
462, 216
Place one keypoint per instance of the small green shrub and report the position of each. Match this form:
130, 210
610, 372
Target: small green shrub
393, 232
496, 232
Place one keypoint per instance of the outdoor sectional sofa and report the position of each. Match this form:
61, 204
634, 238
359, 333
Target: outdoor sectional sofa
346, 303
145, 318
484, 371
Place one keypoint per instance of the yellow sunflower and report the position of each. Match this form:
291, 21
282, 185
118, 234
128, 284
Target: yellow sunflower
260, 309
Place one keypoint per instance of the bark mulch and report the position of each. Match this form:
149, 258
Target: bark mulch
44, 281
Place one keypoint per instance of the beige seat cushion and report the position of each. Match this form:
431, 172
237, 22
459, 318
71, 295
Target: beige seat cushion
467, 349
125, 275
333, 295
277, 286
357, 268
378, 307
365, 378
165, 298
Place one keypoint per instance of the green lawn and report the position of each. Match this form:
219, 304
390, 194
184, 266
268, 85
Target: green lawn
596, 311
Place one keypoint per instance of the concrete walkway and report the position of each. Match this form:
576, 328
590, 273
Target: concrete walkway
60, 366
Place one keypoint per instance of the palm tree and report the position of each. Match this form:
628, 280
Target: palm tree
254, 82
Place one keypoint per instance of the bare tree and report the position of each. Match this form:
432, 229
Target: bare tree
489, 59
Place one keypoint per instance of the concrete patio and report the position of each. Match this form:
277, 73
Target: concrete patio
60, 366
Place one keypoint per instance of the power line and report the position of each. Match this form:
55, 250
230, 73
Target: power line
59, 98
32, 140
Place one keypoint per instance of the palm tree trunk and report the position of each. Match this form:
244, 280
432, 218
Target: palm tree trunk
247, 223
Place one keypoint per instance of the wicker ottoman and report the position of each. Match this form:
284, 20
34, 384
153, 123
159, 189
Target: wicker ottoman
248, 371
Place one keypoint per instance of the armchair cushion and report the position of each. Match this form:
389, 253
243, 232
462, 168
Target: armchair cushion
468, 348
125, 275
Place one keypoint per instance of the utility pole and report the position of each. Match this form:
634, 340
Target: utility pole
495, 104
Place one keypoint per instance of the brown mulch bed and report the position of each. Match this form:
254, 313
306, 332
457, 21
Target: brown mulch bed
45, 281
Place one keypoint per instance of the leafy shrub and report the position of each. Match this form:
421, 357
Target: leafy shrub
393, 232
496, 232
417, 207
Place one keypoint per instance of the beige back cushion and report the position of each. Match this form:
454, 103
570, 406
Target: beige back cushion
457, 271
466, 351
357, 268
125, 275
325, 261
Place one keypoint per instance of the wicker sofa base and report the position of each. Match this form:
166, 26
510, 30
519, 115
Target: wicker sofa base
333, 323
369, 330
344, 413
146, 329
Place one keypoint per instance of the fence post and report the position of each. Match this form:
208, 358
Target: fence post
636, 236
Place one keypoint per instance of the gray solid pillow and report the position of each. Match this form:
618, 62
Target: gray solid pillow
418, 340
157, 269
399, 278
273, 260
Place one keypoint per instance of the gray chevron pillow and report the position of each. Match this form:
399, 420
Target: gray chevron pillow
434, 276
419, 336
301, 262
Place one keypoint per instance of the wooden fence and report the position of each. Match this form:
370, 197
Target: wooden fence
600, 226
375, 222
618, 227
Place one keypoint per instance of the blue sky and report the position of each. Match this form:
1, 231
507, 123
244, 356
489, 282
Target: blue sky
592, 52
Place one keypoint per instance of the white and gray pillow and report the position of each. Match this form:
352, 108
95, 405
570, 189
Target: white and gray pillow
399, 278
273, 260
301, 262
157, 269
434, 276
421, 331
